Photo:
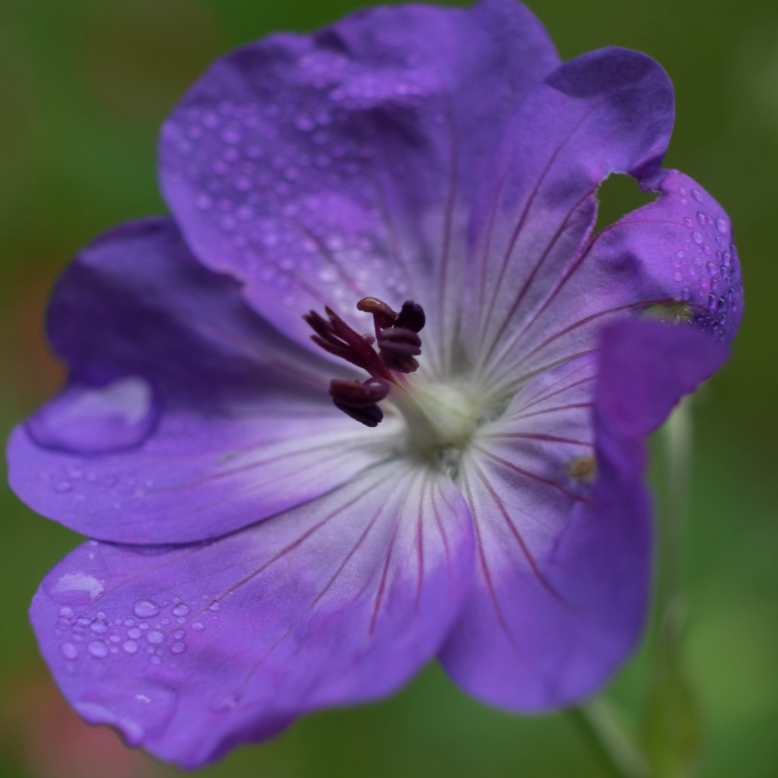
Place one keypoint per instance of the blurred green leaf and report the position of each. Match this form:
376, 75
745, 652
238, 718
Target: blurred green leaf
670, 727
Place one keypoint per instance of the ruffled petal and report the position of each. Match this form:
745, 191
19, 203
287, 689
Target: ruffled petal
673, 259
186, 416
189, 651
320, 169
563, 569
606, 111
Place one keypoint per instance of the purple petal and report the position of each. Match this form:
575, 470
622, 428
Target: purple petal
603, 112
320, 169
563, 570
673, 259
189, 651
186, 416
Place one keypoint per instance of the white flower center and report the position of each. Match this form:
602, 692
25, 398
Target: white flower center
439, 417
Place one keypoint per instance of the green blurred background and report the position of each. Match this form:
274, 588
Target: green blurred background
84, 85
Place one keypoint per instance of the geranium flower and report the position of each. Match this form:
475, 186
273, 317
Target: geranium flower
376, 393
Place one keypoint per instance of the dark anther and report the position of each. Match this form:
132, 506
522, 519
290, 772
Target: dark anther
411, 317
383, 314
360, 400
398, 344
370, 416
358, 395
398, 348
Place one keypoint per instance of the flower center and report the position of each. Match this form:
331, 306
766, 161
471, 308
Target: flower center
439, 416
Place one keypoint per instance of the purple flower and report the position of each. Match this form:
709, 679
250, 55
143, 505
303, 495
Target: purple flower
376, 393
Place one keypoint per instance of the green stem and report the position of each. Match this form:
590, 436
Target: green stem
678, 436
604, 731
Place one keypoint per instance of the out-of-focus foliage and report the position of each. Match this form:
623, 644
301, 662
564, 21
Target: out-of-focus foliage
84, 85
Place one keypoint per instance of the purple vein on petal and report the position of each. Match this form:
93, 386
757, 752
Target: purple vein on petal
345, 446
445, 337
289, 548
500, 505
501, 620
527, 474
398, 255
360, 540
525, 211
577, 261
537, 436
556, 409
513, 383
496, 341
555, 389
388, 559
513, 368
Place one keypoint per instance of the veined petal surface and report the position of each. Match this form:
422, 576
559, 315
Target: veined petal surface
673, 259
562, 572
190, 650
186, 416
320, 169
606, 111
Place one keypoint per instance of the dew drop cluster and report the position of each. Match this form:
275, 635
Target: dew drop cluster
284, 182
706, 267
158, 631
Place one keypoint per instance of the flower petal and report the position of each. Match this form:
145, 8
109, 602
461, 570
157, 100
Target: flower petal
320, 169
563, 573
606, 111
186, 416
673, 259
189, 651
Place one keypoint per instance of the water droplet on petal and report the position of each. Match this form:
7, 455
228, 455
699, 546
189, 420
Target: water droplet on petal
178, 648
722, 226
97, 649
76, 589
94, 420
182, 609
696, 195
226, 703
146, 609
203, 201
130, 646
69, 651
139, 708
155, 637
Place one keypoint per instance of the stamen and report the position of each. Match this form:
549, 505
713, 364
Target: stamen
411, 317
357, 395
336, 337
360, 400
382, 313
398, 347
396, 335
